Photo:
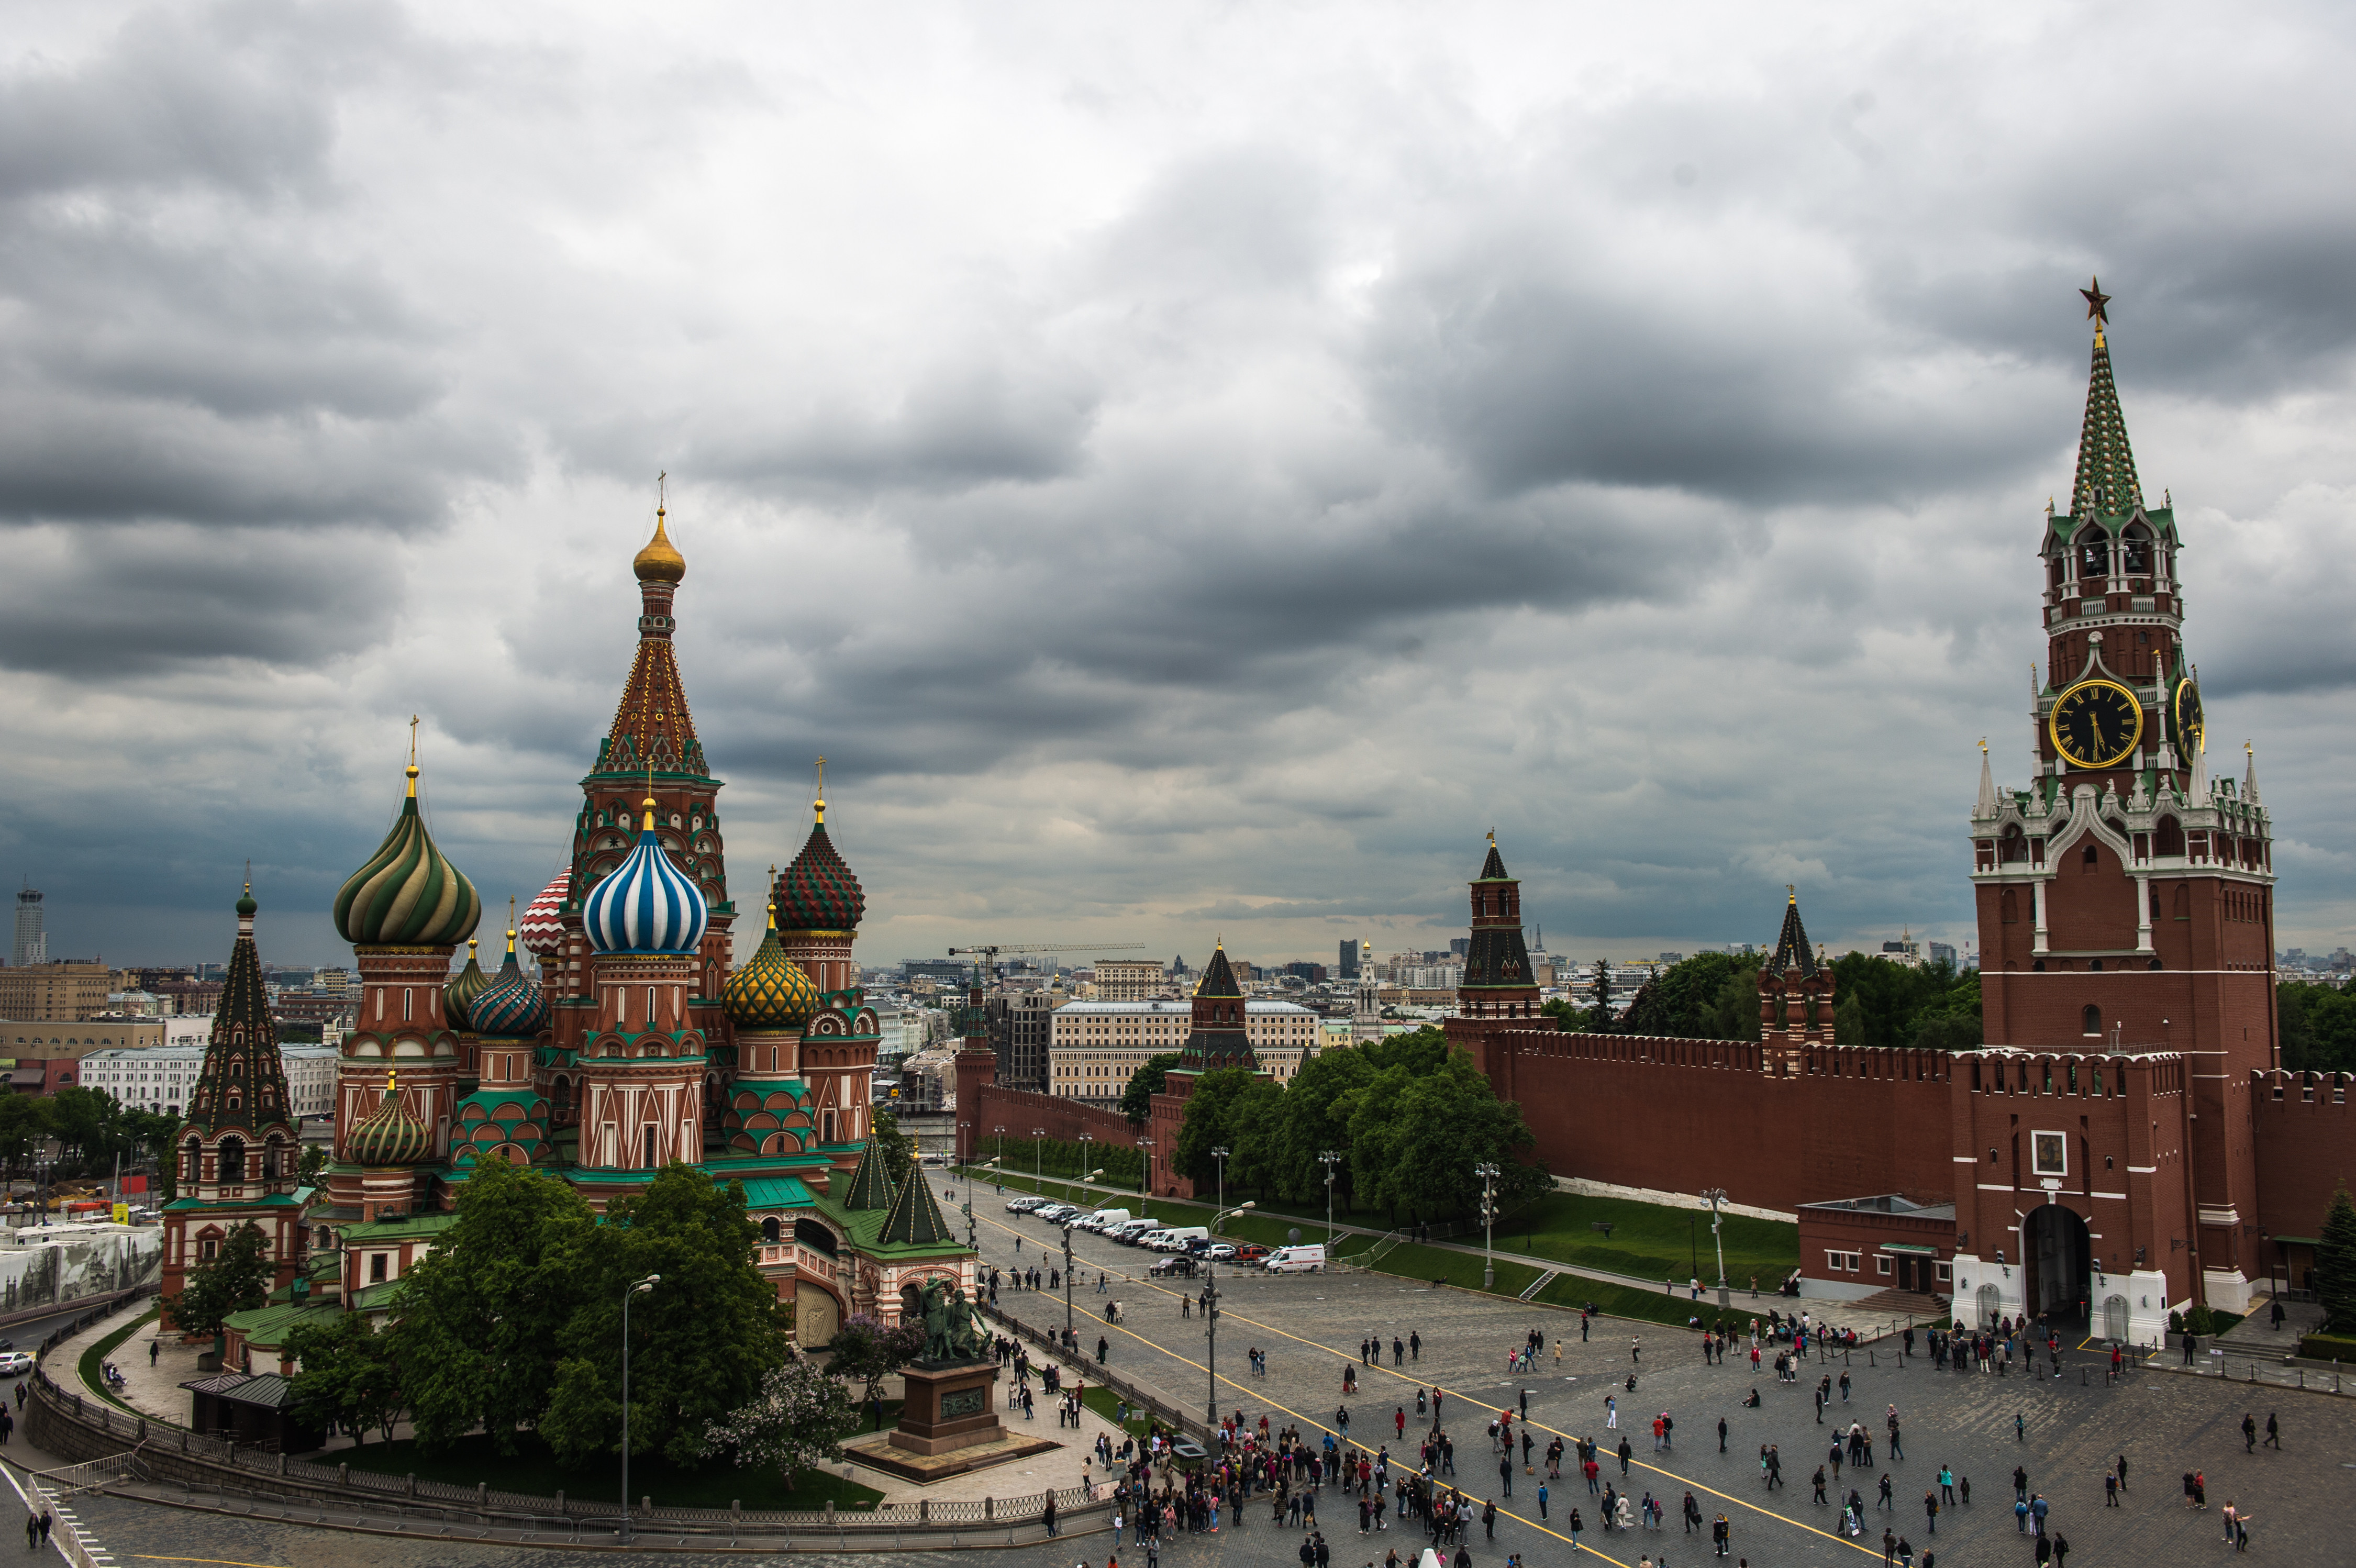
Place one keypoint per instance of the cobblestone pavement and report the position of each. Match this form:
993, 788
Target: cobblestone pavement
2072, 1429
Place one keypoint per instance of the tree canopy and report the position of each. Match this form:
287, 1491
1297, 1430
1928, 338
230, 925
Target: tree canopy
1876, 1001
1410, 1115
2335, 1266
2318, 1025
236, 1278
1137, 1100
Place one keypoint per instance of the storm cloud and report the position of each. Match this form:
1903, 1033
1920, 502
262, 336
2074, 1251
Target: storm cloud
1190, 471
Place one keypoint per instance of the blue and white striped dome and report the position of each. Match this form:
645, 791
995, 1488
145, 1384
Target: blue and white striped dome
645, 904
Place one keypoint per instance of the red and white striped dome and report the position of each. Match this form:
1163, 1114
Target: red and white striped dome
540, 930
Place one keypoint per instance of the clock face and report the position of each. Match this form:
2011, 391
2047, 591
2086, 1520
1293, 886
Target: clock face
2188, 716
2096, 724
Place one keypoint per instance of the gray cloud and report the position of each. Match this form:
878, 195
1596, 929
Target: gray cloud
1181, 475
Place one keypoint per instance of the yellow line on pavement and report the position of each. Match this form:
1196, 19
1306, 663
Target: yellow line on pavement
224, 1561
1724, 1496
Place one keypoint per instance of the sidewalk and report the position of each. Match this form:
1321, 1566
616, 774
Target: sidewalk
154, 1391
1742, 1303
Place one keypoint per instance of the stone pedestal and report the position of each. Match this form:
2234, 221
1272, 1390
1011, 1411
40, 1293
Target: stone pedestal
949, 1406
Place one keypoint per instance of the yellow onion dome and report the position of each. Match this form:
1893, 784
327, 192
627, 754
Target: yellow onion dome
660, 561
408, 894
391, 1134
465, 987
770, 991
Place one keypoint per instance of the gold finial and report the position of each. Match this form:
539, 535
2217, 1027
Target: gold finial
391, 1081
470, 949
1493, 838
660, 561
773, 914
1983, 745
1792, 892
511, 927
413, 756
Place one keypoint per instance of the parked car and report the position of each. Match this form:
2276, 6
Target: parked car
1024, 1204
13, 1363
1218, 1252
1251, 1252
1173, 1268
1055, 1213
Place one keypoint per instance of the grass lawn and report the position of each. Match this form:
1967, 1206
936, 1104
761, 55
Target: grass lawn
1651, 1241
534, 1470
95, 1380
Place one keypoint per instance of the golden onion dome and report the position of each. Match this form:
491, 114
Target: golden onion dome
770, 991
391, 1134
660, 561
468, 984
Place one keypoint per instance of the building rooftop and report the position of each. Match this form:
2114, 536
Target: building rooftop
1888, 1203
1180, 1008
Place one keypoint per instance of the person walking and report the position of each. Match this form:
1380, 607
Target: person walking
1722, 1434
1542, 1500
2249, 1433
1947, 1486
1577, 1524
2110, 1491
2123, 1472
1414, 1346
1611, 1413
1931, 1510
2274, 1431
1505, 1478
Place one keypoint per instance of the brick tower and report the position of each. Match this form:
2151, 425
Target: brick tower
1216, 1039
2125, 897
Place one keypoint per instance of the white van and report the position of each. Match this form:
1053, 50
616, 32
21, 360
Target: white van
1132, 1231
1104, 1219
1154, 1240
1175, 1240
1305, 1260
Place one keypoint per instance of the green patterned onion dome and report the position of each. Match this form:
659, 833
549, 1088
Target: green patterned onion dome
469, 983
408, 894
511, 1006
390, 1135
770, 991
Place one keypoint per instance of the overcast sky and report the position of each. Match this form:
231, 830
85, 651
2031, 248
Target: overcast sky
1190, 468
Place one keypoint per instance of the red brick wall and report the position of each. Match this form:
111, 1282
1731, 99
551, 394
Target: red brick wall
2306, 1127
1774, 1127
1020, 1112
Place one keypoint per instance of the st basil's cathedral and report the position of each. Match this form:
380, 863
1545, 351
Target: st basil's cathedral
637, 1043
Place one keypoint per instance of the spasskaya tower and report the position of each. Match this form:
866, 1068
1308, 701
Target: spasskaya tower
2125, 899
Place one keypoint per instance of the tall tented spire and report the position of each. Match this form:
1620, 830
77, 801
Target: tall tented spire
870, 1184
1219, 976
1793, 953
2250, 778
1218, 1038
1987, 806
652, 727
2107, 484
915, 1219
242, 1085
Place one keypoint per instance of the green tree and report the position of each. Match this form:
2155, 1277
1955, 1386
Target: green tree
350, 1380
2316, 1026
1681, 1002
20, 1129
703, 1338
795, 1422
1211, 1122
236, 1278
478, 1313
866, 1349
1315, 1117
2335, 1264
1418, 1134
899, 1150
1137, 1100
1733, 1013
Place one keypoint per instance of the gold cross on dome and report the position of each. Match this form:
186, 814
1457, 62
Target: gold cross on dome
413, 740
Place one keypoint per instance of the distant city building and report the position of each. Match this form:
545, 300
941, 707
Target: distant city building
32, 936
1349, 965
1018, 1024
948, 973
1097, 1047
1944, 953
43, 1056
58, 993
1669, 957
1131, 979
1460, 947
333, 981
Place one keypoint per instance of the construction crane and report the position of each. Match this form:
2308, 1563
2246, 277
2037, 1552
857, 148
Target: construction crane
989, 953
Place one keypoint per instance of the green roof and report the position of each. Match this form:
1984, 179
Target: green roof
269, 1326
398, 1227
775, 1192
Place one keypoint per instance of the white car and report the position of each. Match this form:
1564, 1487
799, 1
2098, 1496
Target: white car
15, 1362
1024, 1204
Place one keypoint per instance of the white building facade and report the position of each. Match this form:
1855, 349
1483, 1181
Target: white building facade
1096, 1047
160, 1080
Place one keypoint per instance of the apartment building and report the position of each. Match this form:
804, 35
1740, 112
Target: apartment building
1096, 1047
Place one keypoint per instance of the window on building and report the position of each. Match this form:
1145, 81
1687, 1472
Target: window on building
378, 1262
1881, 1265
2091, 1020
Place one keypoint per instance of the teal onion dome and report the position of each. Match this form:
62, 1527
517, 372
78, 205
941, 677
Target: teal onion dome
645, 904
464, 987
770, 991
391, 1134
511, 1006
408, 894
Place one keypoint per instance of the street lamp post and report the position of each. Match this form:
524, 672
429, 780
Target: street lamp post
1488, 1174
1717, 1195
1000, 1161
1085, 1139
1211, 1333
1329, 1159
640, 1288
1067, 1281
1038, 1157
1144, 1172
1220, 1155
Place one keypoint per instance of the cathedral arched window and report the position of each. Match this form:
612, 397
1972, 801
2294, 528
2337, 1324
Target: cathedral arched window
2171, 837
770, 1232
232, 1159
2094, 556
2090, 859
